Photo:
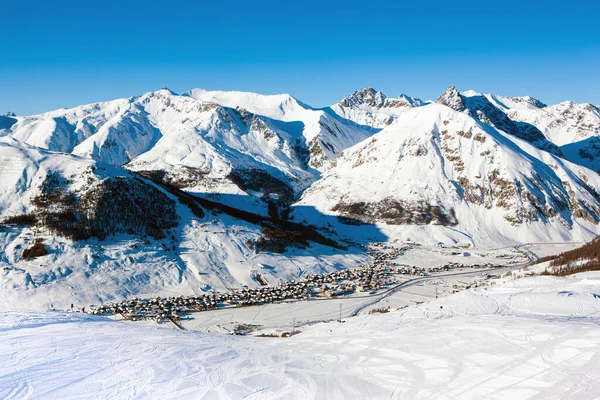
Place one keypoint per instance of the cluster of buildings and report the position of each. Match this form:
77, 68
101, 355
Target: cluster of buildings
362, 279
159, 308
381, 271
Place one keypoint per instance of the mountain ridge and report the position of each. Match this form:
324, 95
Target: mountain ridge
270, 184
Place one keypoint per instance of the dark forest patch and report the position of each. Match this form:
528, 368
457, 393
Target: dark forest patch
114, 205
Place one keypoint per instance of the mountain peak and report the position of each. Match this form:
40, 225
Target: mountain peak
366, 95
370, 97
527, 100
452, 98
405, 100
533, 101
166, 91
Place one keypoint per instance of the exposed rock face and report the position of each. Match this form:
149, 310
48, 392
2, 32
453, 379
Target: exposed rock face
528, 100
453, 99
367, 96
397, 212
373, 109
376, 99
479, 106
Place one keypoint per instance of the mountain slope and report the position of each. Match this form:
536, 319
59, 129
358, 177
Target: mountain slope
109, 234
435, 166
480, 107
574, 127
325, 133
199, 139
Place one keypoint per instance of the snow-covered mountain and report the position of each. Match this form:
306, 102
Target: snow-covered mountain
102, 232
479, 106
479, 170
370, 107
197, 138
575, 128
438, 166
324, 133
567, 129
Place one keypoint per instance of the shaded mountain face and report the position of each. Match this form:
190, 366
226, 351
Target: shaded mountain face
487, 112
438, 166
573, 127
6, 122
478, 106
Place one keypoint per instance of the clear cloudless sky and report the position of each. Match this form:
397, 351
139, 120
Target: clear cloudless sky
65, 53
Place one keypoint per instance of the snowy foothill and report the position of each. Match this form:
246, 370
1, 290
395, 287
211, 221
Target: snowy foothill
528, 338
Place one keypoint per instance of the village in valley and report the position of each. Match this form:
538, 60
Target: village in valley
381, 274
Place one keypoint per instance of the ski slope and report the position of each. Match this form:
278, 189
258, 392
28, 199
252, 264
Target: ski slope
530, 338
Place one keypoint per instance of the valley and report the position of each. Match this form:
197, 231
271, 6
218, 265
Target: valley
231, 244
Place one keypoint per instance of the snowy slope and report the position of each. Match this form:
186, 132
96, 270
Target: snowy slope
325, 133
569, 129
204, 142
63, 129
532, 338
23, 169
127, 257
574, 127
76, 270
436, 166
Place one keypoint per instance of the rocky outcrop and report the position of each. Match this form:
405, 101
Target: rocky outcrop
376, 99
453, 99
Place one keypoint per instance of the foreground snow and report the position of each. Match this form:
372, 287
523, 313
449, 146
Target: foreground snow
534, 337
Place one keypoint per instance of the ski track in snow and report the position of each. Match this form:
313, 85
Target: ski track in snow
513, 340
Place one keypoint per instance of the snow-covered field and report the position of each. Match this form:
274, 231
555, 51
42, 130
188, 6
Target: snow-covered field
528, 338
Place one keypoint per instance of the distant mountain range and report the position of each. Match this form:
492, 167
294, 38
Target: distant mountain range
470, 168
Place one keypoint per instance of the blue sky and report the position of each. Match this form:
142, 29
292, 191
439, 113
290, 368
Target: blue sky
65, 53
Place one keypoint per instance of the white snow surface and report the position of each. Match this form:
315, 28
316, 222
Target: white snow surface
529, 338
429, 156
210, 132
24, 167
